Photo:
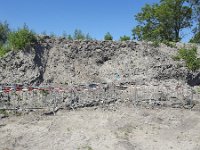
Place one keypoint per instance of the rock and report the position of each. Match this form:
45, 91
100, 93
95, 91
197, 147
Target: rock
139, 68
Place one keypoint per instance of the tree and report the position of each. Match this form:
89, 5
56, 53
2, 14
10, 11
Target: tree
163, 21
88, 37
78, 35
190, 56
195, 4
108, 37
125, 38
4, 31
21, 38
69, 37
196, 38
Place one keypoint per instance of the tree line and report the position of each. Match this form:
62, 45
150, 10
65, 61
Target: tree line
159, 22
24, 37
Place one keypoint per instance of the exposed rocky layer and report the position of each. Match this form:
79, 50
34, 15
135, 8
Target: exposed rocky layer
135, 65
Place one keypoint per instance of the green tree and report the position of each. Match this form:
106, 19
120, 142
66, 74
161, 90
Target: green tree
22, 38
196, 38
190, 58
108, 37
69, 37
163, 21
4, 50
78, 35
88, 37
195, 4
125, 38
4, 31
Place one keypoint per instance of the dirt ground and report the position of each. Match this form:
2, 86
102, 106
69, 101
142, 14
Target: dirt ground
126, 128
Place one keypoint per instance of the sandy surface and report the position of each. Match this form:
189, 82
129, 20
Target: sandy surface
88, 129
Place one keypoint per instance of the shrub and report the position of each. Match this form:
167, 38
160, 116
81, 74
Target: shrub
156, 43
69, 37
125, 38
4, 31
190, 58
21, 39
170, 44
3, 50
108, 37
88, 37
79, 35
196, 38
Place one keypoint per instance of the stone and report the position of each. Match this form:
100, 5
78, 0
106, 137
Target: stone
149, 75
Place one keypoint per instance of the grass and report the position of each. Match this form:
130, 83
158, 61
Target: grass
3, 51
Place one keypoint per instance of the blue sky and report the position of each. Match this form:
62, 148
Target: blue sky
91, 16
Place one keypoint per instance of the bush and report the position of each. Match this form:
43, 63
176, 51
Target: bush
78, 35
4, 31
125, 38
156, 43
108, 37
21, 39
69, 37
196, 38
190, 58
3, 50
170, 44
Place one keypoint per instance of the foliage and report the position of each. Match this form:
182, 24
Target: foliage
108, 37
4, 50
69, 37
78, 35
4, 31
196, 38
195, 4
190, 58
88, 37
125, 38
164, 21
170, 44
156, 44
21, 38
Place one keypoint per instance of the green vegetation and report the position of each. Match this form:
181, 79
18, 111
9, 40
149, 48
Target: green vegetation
3, 50
4, 31
195, 4
108, 37
163, 22
69, 37
21, 39
190, 58
196, 38
15, 40
77, 35
125, 38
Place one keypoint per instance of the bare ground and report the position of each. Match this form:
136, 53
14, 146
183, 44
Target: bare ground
126, 128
